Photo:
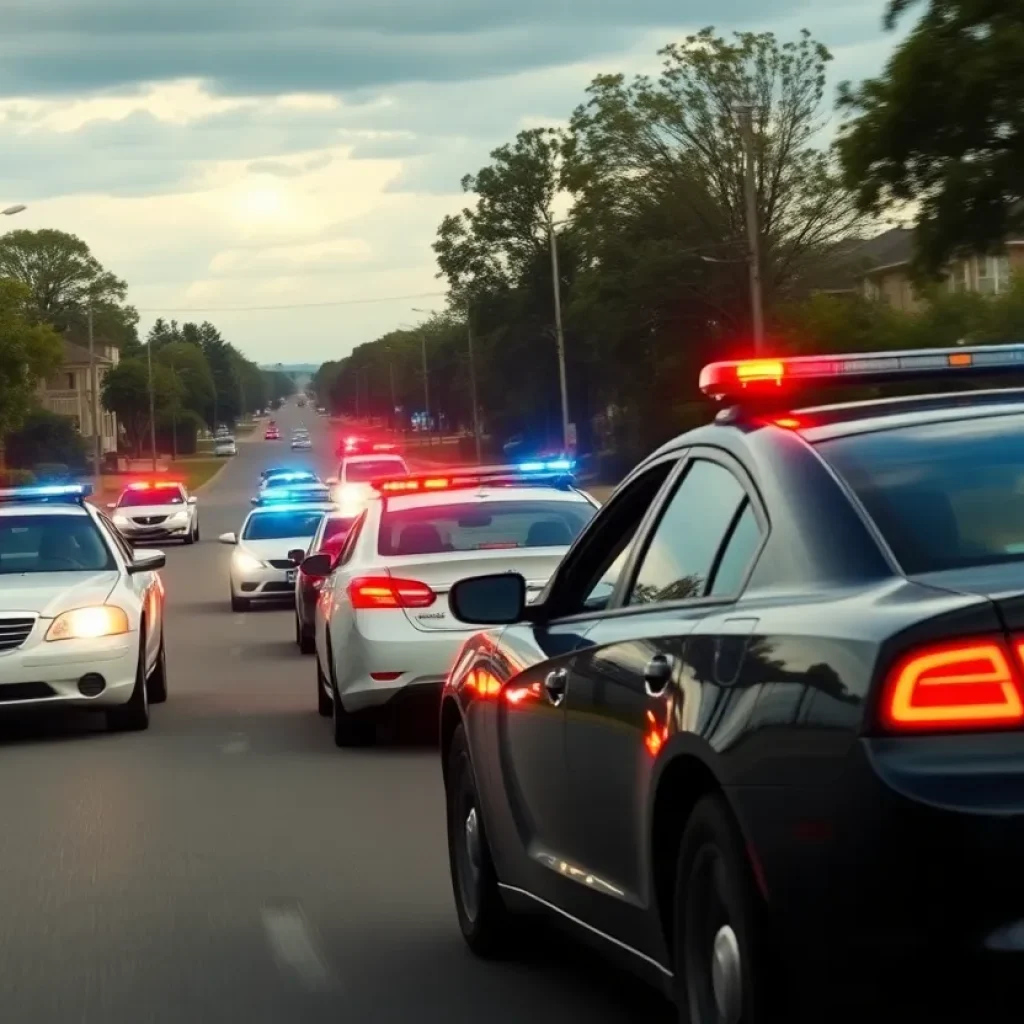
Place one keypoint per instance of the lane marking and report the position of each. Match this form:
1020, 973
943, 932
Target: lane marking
291, 942
238, 744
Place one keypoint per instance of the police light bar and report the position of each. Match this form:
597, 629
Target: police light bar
760, 378
146, 485
476, 476
385, 447
74, 493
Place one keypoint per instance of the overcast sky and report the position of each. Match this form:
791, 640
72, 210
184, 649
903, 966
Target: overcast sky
226, 153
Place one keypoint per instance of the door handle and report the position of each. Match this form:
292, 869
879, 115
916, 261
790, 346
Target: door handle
658, 674
554, 685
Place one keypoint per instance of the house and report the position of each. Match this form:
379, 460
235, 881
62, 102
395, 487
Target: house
69, 392
887, 277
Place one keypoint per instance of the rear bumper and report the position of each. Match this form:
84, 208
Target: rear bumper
917, 851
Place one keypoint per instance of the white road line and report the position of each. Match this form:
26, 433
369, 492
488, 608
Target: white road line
293, 946
238, 744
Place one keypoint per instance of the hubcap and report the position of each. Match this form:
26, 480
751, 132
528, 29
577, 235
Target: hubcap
473, 839
726, 975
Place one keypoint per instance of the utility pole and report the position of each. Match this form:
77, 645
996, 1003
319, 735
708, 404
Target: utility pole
391, 379
559, 334
174, 417
94, 384
426, 384
152, 404
472, 382
745, 112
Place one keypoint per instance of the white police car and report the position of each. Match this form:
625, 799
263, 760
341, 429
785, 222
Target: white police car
81, 614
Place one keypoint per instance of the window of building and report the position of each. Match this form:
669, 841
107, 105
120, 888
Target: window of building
992, 274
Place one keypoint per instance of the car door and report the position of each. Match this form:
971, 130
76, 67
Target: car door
531, 766
146, 587
633, 672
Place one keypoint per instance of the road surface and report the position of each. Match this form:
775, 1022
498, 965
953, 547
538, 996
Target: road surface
231, 864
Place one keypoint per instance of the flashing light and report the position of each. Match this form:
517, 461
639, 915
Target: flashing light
370, 592
71, 492
145, 485
736, 379
385, 447
292, 476
276, 494
484, 476
550, 465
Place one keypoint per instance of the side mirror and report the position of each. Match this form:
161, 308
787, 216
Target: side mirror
147, 560
228, 538
497, 600
254, 501
192, 500
317, 565
297, 555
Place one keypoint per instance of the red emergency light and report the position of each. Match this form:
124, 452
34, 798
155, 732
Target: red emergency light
146, 485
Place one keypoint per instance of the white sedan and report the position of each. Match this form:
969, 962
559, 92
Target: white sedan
81, 614
382, 624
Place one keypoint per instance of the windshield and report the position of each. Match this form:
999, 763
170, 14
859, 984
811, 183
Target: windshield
289, 478
480, 527
278, 525
373, 469
151, 496
54, 543
943, 495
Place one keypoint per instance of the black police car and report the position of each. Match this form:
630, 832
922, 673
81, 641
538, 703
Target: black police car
766, 721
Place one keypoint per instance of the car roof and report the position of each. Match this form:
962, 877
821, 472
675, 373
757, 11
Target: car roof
374, 457
25, 509
477, 495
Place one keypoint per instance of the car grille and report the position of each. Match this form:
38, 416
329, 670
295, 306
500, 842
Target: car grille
281, 563
14, 632
149, 520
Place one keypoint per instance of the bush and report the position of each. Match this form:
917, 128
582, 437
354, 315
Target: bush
16, 477
46, 437
51, 472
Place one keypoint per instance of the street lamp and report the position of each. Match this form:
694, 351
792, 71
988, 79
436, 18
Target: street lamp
426, 378
559, 334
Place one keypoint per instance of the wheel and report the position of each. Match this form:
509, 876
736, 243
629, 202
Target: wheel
483, 917
157, 686
195, 532
305, 639
324, 703
721, 955
298, 631
189, 538
133, 715
239, 604
351, 728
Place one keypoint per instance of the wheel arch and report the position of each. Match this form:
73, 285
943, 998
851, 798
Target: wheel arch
451, 719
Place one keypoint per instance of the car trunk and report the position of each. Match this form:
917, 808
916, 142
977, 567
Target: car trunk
536, 565
1002, 584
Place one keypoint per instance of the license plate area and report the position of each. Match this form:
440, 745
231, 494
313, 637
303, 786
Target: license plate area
289, 576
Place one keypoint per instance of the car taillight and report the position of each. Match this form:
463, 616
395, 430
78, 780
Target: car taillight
367, 592
966, 685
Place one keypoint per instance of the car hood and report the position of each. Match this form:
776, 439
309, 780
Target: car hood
264, 549
148, 510
49, 593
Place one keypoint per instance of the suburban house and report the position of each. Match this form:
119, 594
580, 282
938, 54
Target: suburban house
69, 392
885, 272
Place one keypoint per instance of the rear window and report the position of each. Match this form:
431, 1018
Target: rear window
480, 526
278, 525
373, 469
943, 495
57, 543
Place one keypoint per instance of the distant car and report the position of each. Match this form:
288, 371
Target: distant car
292, 492
261, 567
321, 411
272, 434
287, 477
224, 446
301, 442
329, 539
356, 472
156, 510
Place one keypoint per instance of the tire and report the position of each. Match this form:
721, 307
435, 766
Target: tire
719, 911
351, 728
190, 538
195, 532
133, 715
158, 679
324, 703
485, 921
239, 604
305, 639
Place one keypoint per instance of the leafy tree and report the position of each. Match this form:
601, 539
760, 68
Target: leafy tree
126, 393
943, 128
189, 367
45, 437
29, 352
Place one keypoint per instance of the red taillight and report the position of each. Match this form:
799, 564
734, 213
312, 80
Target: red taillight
366, 592
969, 684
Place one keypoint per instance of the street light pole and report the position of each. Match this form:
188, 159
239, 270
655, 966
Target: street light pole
472, 383
745, 112
559, 334
152, 404
94, 386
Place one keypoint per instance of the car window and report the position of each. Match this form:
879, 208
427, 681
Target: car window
682, 550
373, 469
115, 535
52, 543
278, 525
350, 541
943, 495
135, 497
740, 549
434, 529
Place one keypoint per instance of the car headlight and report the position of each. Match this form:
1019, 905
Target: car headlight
88, 623
246, 563
180, 516
120, 520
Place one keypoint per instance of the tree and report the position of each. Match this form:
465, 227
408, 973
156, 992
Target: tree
45, 437
126, 393
942, 129
29, 352
189, 367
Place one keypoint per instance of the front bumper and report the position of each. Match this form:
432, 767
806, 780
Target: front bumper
267, 583
47, 674
163, 531
377, 650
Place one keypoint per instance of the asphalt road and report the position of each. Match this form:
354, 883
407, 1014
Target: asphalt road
231, 864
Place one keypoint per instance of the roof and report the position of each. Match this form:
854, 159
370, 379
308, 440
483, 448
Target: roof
375, 457
475, 495
42, 508
75, 355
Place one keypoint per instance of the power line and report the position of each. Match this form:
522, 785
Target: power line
294, 305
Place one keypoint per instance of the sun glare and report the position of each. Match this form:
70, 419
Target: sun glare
262, 203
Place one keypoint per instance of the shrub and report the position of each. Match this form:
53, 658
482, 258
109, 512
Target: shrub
16, 477
46, 437
51, 472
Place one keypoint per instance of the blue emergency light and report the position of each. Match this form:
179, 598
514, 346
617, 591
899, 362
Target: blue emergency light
547, 466
74, 493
